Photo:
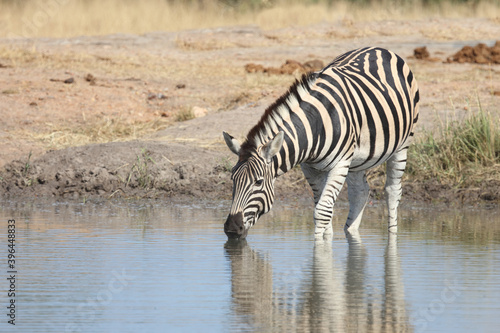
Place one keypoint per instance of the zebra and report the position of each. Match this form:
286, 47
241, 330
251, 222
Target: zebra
355, 114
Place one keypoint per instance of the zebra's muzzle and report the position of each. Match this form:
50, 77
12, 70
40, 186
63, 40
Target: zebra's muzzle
234, 227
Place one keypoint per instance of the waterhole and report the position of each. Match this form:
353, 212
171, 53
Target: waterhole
156, 266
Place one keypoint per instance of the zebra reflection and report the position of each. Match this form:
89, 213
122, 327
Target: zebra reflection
331, 296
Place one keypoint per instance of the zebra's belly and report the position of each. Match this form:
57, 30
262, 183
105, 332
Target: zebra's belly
364, 159
370, 153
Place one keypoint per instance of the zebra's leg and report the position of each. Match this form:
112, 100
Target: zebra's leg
395, 169
316, 180
326, 186
358, 191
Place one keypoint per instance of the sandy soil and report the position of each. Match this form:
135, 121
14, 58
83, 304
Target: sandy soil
154, 78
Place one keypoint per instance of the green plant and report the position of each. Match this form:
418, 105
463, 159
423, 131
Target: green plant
141, 170
462, 152
24, 174
27, 165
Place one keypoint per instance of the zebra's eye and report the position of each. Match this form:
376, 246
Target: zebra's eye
259, 182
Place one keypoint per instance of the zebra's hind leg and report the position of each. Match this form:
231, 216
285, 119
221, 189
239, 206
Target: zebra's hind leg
358, 191
326, 186
394, 170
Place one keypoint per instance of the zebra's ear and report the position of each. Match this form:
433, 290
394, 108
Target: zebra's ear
232, 143
273, 147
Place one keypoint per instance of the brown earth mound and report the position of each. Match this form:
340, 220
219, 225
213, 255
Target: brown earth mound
289, 67
479, 54
421, 53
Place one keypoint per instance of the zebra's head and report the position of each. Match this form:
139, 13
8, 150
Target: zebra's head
253, 184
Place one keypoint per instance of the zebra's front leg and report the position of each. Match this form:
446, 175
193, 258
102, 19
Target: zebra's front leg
326, 186
393, 191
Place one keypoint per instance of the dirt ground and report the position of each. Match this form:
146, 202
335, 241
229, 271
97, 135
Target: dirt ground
101, 116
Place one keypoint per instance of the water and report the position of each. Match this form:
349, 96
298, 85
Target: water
163, 267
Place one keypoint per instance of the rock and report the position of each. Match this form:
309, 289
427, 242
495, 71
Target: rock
156, 96
90, 78
199, 112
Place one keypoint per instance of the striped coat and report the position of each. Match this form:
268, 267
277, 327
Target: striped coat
356, 113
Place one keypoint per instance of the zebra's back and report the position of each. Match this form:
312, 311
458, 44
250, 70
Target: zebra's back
374, 92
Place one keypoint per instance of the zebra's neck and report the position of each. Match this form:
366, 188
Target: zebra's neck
285, 115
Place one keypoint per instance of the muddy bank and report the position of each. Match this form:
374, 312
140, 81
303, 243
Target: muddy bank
154, 169
120, 169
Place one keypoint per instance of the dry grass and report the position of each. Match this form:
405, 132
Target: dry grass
91, 17
184, 114
140, 66
98, 131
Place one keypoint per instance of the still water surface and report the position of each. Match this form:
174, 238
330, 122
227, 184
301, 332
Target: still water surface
163, 267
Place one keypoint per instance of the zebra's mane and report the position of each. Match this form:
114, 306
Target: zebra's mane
298, 88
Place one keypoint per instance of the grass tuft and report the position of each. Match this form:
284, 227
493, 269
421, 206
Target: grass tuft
462, 152
24, 174
140, 170
184, 114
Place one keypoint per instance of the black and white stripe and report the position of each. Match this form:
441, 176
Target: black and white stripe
355, 114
